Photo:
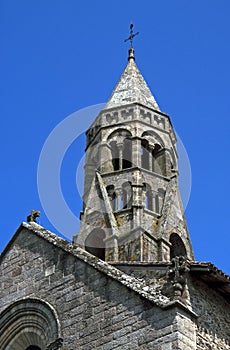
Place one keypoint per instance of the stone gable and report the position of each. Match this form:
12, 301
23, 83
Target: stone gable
95, 311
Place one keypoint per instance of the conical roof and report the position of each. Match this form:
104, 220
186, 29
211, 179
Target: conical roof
131, 88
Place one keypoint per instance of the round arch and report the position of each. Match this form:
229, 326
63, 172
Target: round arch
153, 137
29, 323
121, 148
95, 244
177, 246
122, 133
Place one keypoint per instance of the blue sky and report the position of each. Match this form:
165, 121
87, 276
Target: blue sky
60, 56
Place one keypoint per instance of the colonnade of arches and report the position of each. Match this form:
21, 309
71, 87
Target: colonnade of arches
152, 157
95, 244
121, 149
121, 198
144, 152
153, 200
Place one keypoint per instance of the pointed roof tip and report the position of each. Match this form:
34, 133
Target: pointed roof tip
131, 88
131, 54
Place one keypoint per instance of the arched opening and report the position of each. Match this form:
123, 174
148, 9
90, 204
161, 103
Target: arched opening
29, 324
177, 246
95, 244
153, 153
121, 149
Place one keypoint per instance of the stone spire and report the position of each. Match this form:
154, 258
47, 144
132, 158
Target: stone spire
131, 88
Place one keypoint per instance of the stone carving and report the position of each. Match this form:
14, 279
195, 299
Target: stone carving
33, 216
177, 274
57, 344
137, 177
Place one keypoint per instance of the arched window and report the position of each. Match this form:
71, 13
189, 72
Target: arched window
29, 324
94, 243
152, 152
121, 149
177, 246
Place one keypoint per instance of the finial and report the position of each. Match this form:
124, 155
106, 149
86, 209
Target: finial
130, 38
33, 216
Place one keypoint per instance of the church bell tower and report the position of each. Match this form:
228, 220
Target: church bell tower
132, 209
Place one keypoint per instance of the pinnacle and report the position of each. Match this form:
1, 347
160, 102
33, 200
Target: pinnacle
131, 88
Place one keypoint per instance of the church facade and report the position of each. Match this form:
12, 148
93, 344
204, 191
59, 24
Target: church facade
129, 279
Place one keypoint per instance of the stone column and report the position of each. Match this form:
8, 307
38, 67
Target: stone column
151, 148
120, 149
119, 195
105, 158
152, 195
136, 152
137, 198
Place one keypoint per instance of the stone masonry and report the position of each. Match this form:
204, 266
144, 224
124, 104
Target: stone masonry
129, 279
98, 306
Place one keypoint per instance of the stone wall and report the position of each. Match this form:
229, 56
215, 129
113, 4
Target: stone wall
213, 331
94, 310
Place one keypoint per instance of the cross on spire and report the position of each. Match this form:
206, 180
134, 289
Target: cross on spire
131, 36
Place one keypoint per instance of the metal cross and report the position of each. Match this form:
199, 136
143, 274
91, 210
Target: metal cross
130, 38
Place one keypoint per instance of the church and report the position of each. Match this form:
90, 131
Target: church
129, 279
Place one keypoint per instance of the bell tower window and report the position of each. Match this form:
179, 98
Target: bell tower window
121, 149
94, 243
177, 246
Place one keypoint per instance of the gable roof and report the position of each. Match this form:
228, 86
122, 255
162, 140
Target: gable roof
150, 292
205, 271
